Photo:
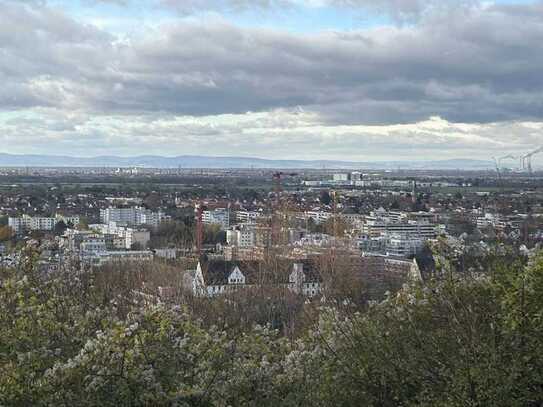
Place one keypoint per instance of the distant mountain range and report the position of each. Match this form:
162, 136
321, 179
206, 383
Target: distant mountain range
193, 161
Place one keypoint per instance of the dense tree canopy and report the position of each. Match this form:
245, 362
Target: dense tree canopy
455, 342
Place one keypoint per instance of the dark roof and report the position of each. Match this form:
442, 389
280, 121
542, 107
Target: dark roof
216, 272
310, 271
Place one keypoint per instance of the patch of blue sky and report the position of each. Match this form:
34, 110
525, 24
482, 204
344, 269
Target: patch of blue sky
118, 16
128, 16
308, 19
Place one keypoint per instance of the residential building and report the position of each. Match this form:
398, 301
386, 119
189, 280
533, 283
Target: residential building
219, 216
104, 257
27, 223
317, 215
130, 236
398, 223
241, 236
132, 216
247, 216
215, 277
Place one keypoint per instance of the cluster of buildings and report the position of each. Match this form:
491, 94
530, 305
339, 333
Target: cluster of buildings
500, 222
394, 233
123, 235
397, 233
299, 223
358, 179
95, 247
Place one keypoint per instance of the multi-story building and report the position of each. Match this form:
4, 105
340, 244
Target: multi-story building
130, 236
93, 245
104, 257
215, 277
243, 236
401, 246
398, 223
500, 222
219, 216
132, 216
317, 216
27, 223
247, 216
341, 177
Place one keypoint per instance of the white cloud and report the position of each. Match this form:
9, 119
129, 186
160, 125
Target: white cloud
275, 134
462, 83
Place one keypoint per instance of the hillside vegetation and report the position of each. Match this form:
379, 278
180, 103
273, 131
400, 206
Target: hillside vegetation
457, 342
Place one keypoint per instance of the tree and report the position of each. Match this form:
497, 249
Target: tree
311, 225
6, 233
325, 197
336, 226
60, 228
92, 341
152, 201
136, 246
83, 223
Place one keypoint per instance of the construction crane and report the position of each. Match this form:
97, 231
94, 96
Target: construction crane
277, 177
199, 210
334, 195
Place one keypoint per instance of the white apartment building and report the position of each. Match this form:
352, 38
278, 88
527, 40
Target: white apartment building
241, 237
170, 254
317, 216
397, 245
219, 216
341, 177
105, 257
410, 228
130, 236
26, 223
93, 245
381, 222
390, 245
247, 216
356, 176
500, 222
132, 216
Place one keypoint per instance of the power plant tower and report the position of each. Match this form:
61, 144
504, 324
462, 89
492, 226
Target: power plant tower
526, 160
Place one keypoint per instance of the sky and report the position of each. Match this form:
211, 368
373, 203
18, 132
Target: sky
365, 80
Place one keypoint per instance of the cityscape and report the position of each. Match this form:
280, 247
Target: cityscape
271, 203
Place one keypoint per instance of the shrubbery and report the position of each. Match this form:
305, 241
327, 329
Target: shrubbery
457, 342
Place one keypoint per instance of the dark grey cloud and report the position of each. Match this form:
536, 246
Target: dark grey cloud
405, 10
187, 7
478, 64
400, 10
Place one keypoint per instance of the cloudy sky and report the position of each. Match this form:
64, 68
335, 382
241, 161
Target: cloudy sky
306, 79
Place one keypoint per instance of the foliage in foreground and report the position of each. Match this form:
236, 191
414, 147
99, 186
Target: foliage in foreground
468, 342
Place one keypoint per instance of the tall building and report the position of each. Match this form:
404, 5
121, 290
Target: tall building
131, 216
26, 223
219, 216
241, 237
